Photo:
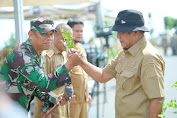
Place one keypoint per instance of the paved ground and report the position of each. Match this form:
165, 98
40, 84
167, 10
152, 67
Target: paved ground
106, 109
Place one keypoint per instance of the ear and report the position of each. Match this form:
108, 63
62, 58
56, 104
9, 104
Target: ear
137, 33
30, 34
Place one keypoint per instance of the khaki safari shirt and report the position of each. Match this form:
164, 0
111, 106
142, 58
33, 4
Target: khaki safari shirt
79, 79
139, 73
54, 59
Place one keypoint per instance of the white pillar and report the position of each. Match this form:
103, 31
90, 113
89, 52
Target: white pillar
19, 21
99, 16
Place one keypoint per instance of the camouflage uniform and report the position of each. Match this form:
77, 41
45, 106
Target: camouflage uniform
1, 60
21, 71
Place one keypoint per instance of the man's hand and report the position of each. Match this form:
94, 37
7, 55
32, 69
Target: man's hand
75, 57
61, 100
76, 51
89, 99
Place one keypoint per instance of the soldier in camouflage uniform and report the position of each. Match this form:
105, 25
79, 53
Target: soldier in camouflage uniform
54, 58
21, 70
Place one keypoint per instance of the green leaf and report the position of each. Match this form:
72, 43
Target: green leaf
69, 42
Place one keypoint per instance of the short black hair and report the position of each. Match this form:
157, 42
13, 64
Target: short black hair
73, 21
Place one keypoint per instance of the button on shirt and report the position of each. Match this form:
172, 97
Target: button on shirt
139, 73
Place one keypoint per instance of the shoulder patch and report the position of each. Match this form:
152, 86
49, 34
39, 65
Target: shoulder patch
50, 53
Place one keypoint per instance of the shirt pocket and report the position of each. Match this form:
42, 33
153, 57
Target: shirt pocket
77, 77
118, 69
127, 80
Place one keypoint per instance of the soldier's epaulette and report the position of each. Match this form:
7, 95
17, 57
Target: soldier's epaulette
50, 53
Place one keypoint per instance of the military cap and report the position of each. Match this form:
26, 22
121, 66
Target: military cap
42, 25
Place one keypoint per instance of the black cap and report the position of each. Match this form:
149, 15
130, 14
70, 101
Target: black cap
128, 21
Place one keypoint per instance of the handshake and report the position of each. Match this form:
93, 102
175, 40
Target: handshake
75, 57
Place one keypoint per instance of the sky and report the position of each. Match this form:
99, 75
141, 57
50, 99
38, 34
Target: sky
158, 10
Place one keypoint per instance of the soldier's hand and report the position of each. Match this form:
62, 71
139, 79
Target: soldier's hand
77, 52
60, 97
62, 100
75, 57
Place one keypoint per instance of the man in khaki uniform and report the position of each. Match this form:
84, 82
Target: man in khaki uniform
138, 70
55, 57
79, 78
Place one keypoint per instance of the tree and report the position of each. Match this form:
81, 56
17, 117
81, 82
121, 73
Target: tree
170, 23
11, 43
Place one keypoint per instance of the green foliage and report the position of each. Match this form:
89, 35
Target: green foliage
69, 43
162, 115
172, 104
170, 23
11, 43
174, 84
150, 23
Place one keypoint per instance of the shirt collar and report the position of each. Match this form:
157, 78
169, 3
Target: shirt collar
138, 45
30, 48
56, 51
32, 51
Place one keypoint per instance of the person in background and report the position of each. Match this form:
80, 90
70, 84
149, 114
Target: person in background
79, 78
55, 58
21, 70
165, 43
138, 69
174, 43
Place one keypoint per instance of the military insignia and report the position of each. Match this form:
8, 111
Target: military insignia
50, 53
